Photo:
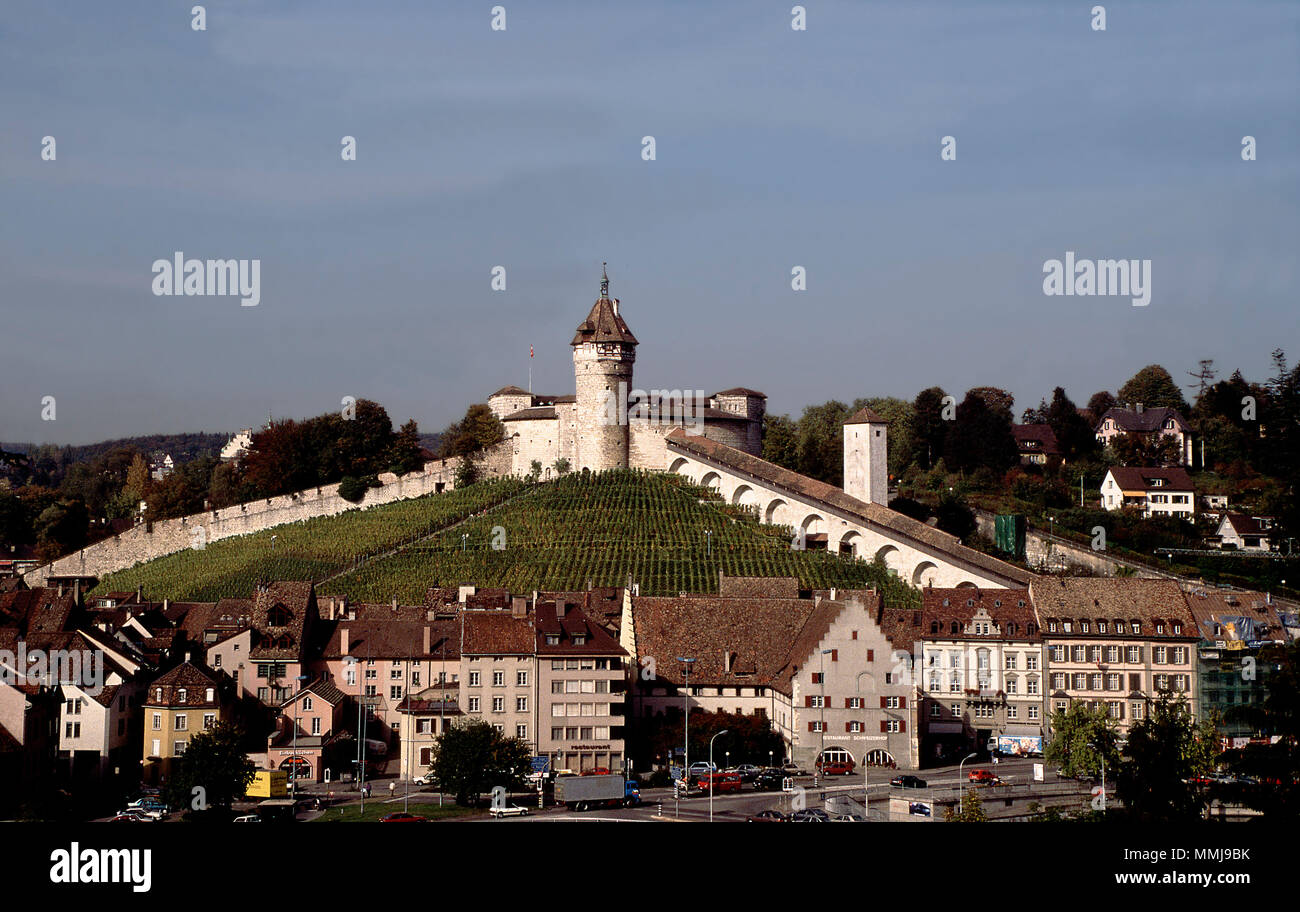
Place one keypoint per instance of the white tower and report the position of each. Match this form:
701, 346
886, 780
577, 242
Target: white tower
604, 351
866, 457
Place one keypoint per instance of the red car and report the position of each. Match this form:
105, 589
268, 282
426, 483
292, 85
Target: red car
597, 771
399, 817
836, 768
982, 776
721, 782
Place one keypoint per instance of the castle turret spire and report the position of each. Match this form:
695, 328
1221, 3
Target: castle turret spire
604, 281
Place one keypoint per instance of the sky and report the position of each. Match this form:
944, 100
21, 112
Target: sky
522, 148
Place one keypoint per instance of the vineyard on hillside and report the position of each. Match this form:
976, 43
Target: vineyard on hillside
666, 534
315, 549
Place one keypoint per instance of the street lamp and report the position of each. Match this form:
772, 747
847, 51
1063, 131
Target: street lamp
708, 538
686, 730
866, 794
713, 782
821, 751
293, 763
961, 783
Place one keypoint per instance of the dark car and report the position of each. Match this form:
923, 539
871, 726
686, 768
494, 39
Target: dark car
770, 780
810, 815
748, 772
907, 782
399, 817
767, 817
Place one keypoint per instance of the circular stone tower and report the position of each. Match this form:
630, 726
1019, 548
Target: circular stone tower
603, 352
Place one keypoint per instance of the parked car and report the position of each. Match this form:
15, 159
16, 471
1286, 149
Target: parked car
767, 817
836, 768
400, 817
126, 818
514, 810
142, 814
982, 777
748, 772
597, 771
426, 779
810, 815
721, 782
907, 782
770, 780
701, 767
248, 818
845, 818
794, 770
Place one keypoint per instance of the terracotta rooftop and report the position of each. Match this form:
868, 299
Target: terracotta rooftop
1135, 478
1009, 609
1112, 599
1145, 421
865, 415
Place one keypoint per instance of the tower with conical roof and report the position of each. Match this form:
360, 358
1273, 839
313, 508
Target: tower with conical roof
604, 350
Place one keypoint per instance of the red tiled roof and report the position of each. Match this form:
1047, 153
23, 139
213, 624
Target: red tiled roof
1111, 599
865, 415
1135, 478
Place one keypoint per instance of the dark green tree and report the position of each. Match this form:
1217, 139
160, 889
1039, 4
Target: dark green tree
1081, 737
1164, 751
929, 428
781, 441
473, 757
1275, 766
406, 455
1074, 434
213, 772
980, 437
1154, 388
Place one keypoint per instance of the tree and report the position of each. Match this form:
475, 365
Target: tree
971, 811
406, 455
1081, 737
899, 414
562, 467
928, 426
1154, 388
980, 437
473, 757
534, 470
997, 399
1164, 750
216, 762
137, 479
748, 739
820, 445
1074, 434
1098, 405
1204, 375
61, 527
467, 471
478, 430
781, 441
954, 516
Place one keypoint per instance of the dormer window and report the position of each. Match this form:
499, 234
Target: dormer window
180, 695
579, 639
1067, 626
278, 616
1137, 628
1178, 628
1101, 626
552, 639
210, 695
1051, 626
1119, 626
1083, 626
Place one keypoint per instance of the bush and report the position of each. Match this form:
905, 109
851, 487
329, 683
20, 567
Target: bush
352, 489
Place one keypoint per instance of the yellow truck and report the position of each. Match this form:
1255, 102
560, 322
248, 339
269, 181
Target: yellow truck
269, 784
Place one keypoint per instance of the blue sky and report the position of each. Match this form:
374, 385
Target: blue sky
522, 148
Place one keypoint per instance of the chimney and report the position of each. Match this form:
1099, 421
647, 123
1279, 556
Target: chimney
60, 588
518, 606
76, 591
426, 640
394, 604
139, 593
726, 660
187, 655
1138, 408
343, 641
166, 603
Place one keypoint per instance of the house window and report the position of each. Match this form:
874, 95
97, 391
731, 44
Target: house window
498, 679
521, 704
521, 732
1031, 662
936, 711
157, 721
498, 704
473, 704
180, 695
1033, 712
395, 692
306, 704
315, 725
473, 679
182, 722
1011, 661
178, 748
521, 679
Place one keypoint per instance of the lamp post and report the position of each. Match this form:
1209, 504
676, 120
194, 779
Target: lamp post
708, 538
713, 782
866, 794
686, 730
361, 743
821, 750
293, 763
961, 783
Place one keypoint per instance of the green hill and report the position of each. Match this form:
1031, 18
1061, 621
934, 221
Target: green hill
556, 535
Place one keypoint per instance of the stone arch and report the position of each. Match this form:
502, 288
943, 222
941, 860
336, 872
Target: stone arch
679, 466
925, 573
711, 480
851, 543
813, 527
744, 496
879, 757
891, 557
967, 584
772, 514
